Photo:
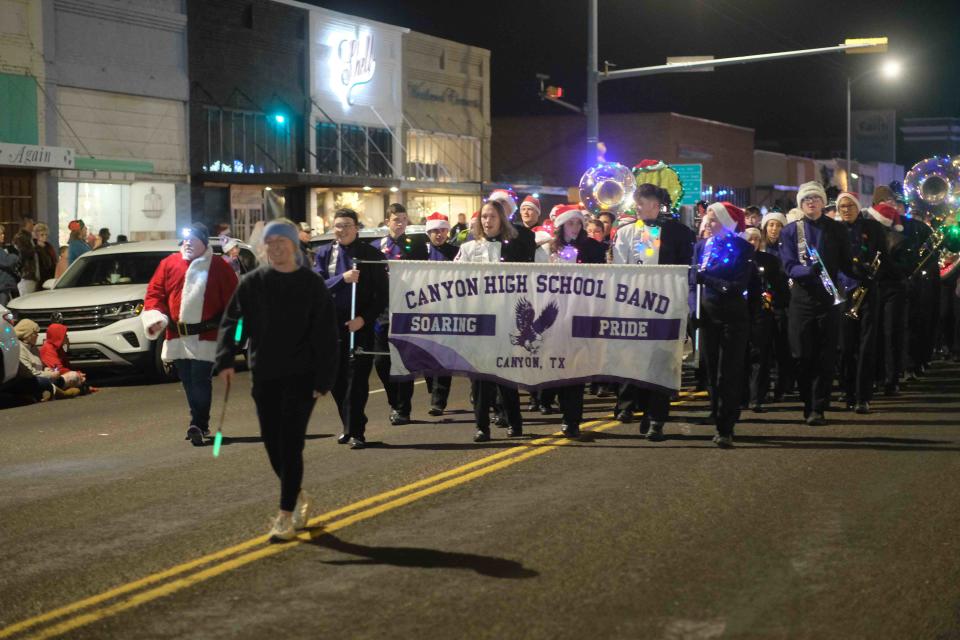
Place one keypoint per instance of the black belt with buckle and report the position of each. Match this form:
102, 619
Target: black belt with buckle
182, 329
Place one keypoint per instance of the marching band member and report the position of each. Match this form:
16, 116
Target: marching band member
723, 266
772, 226
495, 240
859, 330
572, 245
530, 212
334, 262
396, 245
891, 297
649, 241
774, 295
438, 229
814, 316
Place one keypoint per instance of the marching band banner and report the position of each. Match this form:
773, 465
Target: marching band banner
539, 325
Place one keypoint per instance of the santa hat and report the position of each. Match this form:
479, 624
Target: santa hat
812, 188
544, 233
773, 215
506, 199
565, 212
437, 220
530, 201
728, 215
847, 194
886, 215
475, 215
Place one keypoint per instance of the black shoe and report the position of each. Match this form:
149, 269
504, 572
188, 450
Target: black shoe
863, 408
343, 438
436, 411
724, 442
644, 426
205, 431
533, 406
758, 408
571, 431
626, 417
358, 443
498, 420
397, 418
514, 432
546, 409
195, 436
816, 419
656, 432
481, 436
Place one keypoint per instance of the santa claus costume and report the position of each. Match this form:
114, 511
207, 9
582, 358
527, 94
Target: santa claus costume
185, 299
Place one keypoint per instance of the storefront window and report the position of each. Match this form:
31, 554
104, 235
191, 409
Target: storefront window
248, 142
369, 206
441, 157
140, 211
421, 205
353, 150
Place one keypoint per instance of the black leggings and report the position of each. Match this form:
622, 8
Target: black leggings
283, 408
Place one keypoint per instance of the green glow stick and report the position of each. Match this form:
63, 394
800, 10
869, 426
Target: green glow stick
217, 441
239, 333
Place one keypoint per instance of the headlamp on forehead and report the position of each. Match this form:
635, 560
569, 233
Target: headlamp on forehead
185, 232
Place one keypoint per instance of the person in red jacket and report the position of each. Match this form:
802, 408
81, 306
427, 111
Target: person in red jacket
53, 355
186, 297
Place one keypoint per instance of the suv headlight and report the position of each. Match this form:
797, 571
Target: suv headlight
123, 310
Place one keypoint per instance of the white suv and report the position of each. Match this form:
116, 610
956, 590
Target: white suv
99, 299
9, 347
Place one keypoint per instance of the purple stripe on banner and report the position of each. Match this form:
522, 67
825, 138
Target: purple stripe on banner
625, 328
443, 324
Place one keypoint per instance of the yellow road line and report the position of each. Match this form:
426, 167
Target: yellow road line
544, 444
265, 552
243, 546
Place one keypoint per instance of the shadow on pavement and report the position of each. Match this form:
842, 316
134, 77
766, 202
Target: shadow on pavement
420, 558
879, 443
227, 440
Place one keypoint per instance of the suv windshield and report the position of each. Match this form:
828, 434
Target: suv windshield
92, 270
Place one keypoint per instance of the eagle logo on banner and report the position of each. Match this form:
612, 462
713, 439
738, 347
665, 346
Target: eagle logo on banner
530, 327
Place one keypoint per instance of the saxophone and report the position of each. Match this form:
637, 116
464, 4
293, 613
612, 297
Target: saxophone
860, 293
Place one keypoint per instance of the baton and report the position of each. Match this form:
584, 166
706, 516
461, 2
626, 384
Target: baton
353, 307
696, 333
218, 438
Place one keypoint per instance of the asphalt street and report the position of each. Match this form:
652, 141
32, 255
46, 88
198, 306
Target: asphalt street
112, 526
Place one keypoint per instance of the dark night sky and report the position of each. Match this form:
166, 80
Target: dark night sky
794, 105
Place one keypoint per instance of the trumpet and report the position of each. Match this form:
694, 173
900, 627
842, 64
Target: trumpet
814, 256
860, 293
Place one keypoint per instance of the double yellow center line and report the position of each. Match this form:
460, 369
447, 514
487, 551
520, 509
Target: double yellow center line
181, 576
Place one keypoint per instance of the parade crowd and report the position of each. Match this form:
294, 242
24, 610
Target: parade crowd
831, 293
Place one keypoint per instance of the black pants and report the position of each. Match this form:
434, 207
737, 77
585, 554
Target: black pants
546, 397
439, 390
352, 386
654, 404
814, 332
484, 397
724, 344
923, 314
858, 359
761, 356
948, 326
399, 392
283, 408
571, 404
890, 311
786, 364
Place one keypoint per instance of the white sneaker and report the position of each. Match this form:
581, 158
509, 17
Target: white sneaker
282, 528
301, 512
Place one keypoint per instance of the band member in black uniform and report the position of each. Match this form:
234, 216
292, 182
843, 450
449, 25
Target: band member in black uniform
495, 241
334, 262
724, 272
438, 250
649, 241
815, 249
923, 299
771, 226
774, 296
571, 244
396, 245
860, 322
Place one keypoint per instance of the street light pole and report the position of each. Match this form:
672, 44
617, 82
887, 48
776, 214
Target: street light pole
849, 135
593, 81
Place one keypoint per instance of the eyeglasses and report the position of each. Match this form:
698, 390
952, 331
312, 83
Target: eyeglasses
810, 199
343, 226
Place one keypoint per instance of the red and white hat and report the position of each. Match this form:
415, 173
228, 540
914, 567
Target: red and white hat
564, 213
506, 199
437, 220
544, 233
530, 201
886, 215
728, 215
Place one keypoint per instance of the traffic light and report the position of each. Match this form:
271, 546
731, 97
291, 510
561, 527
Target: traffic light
554, 93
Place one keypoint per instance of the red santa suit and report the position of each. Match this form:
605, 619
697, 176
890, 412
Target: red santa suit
188, 292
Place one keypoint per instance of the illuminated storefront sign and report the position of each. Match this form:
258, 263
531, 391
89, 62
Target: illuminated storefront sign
353, 65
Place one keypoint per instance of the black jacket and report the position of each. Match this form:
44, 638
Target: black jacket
676, 243
372, 297
773, 280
